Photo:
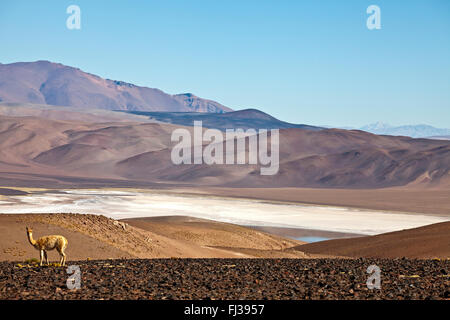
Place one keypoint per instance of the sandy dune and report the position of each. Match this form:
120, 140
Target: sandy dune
432, 241
98, 237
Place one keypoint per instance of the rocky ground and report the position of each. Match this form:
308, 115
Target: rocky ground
229, 279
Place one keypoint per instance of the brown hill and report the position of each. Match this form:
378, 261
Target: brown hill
98, 237
432, 241
210, 233
140, 153
44, 82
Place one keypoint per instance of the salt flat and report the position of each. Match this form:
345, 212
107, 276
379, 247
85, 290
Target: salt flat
134, 204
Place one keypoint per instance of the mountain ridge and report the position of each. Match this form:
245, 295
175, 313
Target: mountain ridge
45, 82
240, 119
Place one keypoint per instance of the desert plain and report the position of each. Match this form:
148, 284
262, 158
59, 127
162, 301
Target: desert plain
140, 251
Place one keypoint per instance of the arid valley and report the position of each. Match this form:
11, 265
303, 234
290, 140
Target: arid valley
103, 178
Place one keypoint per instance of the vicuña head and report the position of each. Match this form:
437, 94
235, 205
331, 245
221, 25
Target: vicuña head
47, 243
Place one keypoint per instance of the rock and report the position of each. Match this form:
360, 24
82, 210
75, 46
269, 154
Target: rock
230, 279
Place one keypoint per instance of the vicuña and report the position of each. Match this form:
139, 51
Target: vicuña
47, 243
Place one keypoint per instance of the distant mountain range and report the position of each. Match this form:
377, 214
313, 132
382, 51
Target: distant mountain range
47, 83
44, 83
243, 119
38, 152
414, 131
58, 126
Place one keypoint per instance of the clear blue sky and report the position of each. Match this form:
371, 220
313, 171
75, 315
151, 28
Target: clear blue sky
309, 62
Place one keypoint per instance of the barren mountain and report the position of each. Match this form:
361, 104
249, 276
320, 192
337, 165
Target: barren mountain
327, 158
130, 153
242, 119
44, 82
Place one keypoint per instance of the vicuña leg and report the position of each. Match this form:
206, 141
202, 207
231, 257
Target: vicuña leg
41, 254
62, 262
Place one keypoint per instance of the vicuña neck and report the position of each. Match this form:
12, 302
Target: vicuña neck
30, 238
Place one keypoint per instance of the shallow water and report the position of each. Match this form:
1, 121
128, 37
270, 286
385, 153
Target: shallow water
127, 204
311, 239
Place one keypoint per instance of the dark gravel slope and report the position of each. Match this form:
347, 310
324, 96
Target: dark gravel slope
230, 279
